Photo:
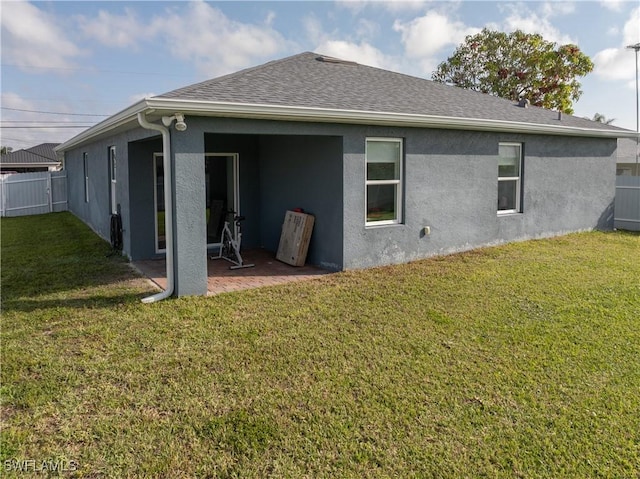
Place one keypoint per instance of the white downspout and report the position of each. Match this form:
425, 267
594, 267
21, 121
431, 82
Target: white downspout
168, 206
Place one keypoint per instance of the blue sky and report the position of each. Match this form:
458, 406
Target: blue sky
97, 58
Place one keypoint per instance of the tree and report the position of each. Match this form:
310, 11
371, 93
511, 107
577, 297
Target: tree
517, 65
5, 149
600, 118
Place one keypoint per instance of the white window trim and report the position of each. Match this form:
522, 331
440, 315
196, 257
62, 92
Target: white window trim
398, 182
113, 168
85, 168
517, 179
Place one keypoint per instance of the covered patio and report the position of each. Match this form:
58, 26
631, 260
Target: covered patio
256, 169
220, 279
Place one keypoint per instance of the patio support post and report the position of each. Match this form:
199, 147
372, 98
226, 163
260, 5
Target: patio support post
189, 229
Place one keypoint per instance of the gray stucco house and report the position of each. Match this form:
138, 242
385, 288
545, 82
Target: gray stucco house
393, 167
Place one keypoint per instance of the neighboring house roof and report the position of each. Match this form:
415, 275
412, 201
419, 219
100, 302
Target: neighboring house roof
313, 87
45, 150
36, 156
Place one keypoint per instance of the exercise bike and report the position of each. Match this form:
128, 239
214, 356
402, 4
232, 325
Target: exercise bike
230, 246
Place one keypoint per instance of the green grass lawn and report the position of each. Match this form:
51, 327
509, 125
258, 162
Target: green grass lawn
515, 361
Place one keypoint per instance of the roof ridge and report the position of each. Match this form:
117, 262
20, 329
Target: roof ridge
470, 92
32, 151
18, 156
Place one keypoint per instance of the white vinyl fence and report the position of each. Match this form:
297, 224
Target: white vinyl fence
626, 214
23, 194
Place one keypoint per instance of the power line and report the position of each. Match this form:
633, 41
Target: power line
94, 70
51, 112
4, 138
45, 127
36, 121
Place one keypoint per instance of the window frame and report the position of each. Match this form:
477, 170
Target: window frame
85, 168
113, 179
516, 179
399, 182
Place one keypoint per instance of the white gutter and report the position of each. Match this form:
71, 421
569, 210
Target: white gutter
168, 207
121, 118
330, 115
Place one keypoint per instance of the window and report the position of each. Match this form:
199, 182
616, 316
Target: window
85, 166
509, 177
112, 177
383, 181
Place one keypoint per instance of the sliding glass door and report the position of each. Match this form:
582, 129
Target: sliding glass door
221, 195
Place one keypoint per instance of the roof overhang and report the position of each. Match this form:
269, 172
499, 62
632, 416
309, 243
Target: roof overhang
30, 165
161, 106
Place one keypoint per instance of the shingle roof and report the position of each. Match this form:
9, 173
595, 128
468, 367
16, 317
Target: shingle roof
42, 154
312, 80
45, 150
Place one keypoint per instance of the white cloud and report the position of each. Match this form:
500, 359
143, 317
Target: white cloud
194, 32
215, 43
219, 45
425, 36
631, 29
614, 64
113, 30
29, 137
271, 16
313, 28
366, 29
31, 36
136, 97
357, 46
619, 63
550, 9
363, 53
615, 5
613, 31
519, 17
356, 6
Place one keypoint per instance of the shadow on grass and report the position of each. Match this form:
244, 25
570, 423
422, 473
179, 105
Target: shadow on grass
627, 232
58, 255
76, 301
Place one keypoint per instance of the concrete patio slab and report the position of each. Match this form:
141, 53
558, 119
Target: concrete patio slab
267, 272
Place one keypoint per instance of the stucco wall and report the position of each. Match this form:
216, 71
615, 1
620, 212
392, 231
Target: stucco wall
303, 172
92, 212
451, 186
280, 172
142, 226
96, 212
